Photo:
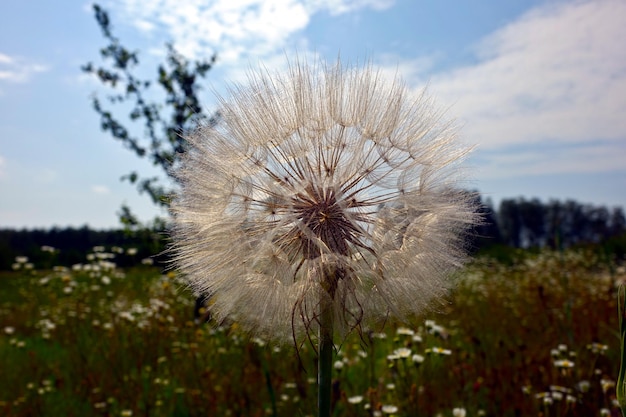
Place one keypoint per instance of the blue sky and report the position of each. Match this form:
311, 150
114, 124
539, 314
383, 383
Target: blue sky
538, 86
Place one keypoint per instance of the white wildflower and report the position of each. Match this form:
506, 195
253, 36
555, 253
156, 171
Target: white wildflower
355, 399
402, 353
389, 409
405, 331
459, 412
417, 359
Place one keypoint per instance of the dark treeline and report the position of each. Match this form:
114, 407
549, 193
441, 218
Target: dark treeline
516, 223
72, 245
522, 223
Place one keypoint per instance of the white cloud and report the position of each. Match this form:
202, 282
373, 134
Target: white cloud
557, 74
14, 69
235, 29
554, 78
100, 189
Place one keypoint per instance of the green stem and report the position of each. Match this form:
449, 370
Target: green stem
325, 360
621, 379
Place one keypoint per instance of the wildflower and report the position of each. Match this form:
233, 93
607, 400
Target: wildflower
322, 187
405, 331
259, 342
439, 351
459, 412
434, 328
356, 399
561, 389
389, 409
597, 348
606, 384
417, 359
564, 363
402, 353
9, 330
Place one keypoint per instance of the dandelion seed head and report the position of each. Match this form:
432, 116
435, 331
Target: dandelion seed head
324, 184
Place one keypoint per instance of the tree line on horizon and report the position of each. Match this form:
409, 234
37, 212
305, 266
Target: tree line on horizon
517, 223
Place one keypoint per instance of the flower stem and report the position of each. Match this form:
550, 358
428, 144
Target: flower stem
621, 380
325, 360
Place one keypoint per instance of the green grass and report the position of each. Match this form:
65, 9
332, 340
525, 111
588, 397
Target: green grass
535, 338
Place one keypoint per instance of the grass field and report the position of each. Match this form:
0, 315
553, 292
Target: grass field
535, 338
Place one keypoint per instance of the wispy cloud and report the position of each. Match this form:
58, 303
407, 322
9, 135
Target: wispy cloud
235, 29
100, 189
557, 74
555, 77
15, 69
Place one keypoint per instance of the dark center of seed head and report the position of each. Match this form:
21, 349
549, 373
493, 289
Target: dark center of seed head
324, 217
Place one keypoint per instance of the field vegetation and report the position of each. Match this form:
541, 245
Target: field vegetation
536, 335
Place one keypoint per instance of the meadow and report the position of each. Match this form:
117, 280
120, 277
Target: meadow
537, 336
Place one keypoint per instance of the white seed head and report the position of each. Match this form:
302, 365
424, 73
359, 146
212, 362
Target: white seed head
325, 183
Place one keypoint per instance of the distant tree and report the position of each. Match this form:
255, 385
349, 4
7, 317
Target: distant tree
510, 222
532, 217
554, 226
618, 222
165, 122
